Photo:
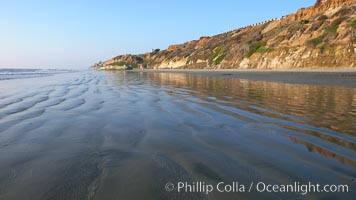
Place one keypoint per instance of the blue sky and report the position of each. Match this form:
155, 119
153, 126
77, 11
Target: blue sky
77, 33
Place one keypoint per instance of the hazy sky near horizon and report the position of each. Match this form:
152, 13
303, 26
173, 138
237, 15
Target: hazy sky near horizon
77, 33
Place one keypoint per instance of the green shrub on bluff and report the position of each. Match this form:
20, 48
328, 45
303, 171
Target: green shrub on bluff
254, 47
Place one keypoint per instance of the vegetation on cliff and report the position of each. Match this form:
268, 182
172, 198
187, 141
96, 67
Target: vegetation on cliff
320, 36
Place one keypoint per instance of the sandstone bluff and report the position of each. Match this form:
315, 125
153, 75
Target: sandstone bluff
321, 36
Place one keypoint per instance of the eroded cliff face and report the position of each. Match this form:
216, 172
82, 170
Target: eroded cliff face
320, 6
322, 36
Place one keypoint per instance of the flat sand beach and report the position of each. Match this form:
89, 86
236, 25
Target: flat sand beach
130, 134
333, 77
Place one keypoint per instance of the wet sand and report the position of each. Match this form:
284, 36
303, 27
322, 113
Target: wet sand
124, 135
333, 77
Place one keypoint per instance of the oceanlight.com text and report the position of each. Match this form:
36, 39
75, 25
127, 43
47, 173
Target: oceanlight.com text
236, 187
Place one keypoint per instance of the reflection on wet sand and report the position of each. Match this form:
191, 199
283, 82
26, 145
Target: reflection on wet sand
125, 135
322, 106
328, 108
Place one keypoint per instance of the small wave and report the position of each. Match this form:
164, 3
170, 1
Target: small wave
6, 74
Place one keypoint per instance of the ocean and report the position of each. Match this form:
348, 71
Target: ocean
13, 73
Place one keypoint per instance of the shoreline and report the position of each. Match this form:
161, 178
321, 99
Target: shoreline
343, 69
344, 77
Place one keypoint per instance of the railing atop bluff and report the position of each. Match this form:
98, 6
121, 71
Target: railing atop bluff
319, 6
